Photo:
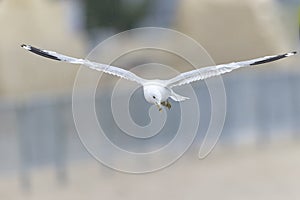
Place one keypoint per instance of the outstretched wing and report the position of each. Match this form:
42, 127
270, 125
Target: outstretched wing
207, 72
122, 73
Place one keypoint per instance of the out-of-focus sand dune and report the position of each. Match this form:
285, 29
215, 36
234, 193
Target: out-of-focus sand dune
270, 173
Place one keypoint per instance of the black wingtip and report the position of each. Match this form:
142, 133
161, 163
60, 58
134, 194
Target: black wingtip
274, 58
24, 45
27, 47
290, 54
39, 52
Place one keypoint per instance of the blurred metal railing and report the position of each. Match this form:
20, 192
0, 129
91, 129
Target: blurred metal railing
41, 132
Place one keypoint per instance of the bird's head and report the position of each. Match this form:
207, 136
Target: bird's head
152, 95
154, 98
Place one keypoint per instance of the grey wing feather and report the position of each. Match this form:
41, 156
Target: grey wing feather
116, 71
207, 72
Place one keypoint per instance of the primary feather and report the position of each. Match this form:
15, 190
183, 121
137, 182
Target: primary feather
122, 73
207, 72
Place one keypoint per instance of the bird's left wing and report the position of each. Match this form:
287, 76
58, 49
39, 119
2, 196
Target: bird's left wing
122, 73
207, 72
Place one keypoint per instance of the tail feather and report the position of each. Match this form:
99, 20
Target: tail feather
177, 97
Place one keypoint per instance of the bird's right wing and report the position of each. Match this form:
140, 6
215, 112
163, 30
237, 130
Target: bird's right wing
207, 72
122, 73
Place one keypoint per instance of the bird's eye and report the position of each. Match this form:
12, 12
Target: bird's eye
153, 97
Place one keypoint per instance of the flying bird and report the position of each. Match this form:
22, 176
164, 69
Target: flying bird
159, 91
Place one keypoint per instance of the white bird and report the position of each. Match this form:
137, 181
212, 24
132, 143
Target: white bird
158, 91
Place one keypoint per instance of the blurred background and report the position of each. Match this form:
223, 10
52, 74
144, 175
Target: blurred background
258, 155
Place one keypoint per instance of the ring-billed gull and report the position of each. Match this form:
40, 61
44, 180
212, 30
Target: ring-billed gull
158, 91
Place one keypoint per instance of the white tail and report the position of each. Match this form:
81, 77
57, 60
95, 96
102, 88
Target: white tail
177, 97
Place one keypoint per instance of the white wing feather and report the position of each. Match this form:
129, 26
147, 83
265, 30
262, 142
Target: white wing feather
181, 79
207, 72
122, 73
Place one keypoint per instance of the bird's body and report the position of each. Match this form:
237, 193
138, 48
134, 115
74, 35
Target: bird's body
159, 91
154, 92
